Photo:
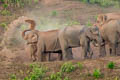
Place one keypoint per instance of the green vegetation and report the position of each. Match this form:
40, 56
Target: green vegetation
3, 24
54, 13
56, 76
80, 66
103, 3
38, 72
17, 3
5, 12
67, 67
111, 65
13, 77
97, 73
70, 23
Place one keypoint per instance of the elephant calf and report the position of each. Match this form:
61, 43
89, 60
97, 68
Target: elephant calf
76, 36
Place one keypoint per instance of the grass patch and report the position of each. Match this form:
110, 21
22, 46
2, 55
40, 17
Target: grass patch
111, 65
67, 67
97, 73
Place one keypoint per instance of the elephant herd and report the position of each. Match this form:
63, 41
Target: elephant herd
106, 30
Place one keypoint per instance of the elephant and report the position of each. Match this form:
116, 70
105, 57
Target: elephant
103, 18
42, 43
78, 36
110, 34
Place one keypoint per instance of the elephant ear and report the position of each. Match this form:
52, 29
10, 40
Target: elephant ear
101, 18
104, 18
34, 37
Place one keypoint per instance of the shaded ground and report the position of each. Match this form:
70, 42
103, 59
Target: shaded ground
11, 61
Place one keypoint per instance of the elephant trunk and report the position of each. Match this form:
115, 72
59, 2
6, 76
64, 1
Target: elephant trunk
23, 33
32, 27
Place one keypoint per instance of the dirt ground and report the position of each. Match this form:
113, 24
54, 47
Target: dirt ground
13, 60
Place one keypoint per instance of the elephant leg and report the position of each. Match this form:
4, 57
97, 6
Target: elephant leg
113, 52
85, 52
102, 51
60, 56
67, 53
90, 52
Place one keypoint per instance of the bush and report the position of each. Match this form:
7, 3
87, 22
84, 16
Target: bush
13, 77
97, 73
67, 67
56, 76
38, 72
5, 13
111, 65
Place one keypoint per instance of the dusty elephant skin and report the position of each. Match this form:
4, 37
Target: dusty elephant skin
103, 18
110, 33
42, 43
76, 36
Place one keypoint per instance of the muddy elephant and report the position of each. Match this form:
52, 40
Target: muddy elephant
110, 33
103, 18
78, 36
42, 43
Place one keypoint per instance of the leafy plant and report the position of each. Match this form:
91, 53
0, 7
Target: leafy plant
67, 67
54, 13
97, 73
38, 72
56, 76
4, 25
13, 77
80, 66
111, 65
5, 12
66, 78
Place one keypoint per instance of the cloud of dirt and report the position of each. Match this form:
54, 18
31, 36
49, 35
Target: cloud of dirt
46, 18
12, 37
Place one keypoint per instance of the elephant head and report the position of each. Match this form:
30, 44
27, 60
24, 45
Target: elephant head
94, 35
31, 37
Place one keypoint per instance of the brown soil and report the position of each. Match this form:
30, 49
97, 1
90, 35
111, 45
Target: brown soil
12, 61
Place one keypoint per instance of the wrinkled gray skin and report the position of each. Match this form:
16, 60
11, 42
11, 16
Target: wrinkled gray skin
47, 42
76, 36
110, 33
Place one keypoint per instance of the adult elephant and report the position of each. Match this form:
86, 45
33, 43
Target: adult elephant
110, 33
103, 18
76, 36
42, 43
